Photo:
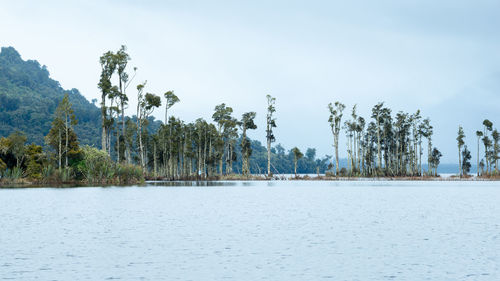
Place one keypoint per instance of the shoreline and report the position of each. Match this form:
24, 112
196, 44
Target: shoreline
27, 184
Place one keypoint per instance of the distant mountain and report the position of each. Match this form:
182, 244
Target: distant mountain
29, 97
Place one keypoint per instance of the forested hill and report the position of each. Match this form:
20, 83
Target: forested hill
29, 97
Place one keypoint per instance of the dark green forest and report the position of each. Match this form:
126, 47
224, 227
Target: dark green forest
29, 97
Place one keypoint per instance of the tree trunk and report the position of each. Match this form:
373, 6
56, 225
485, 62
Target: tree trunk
460, 173
420, 157
336, 141
166, 109
295, 166
141, 148
429, 148
66, 146
221, 159
379, 153
243, 157
103, 119
269, 157
359, 152
60, 149
117, 144
123, 124
477, 167
154, 158
210, 166
486, 158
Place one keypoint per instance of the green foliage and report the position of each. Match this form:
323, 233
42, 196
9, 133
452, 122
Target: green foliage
61, 137
35, 160
3, 167
29, 97
151, 101
435, 160
97, 166
246, 123
13, 174
47, 173
466, 157
171, 99
17, 140
461, 142
128, 173
297, 154
271, 121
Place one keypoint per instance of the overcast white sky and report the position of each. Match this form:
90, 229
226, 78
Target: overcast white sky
442, 57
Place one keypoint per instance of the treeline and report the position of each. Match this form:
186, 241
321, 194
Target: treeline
132, 148
179, 149
487, 163
385, 146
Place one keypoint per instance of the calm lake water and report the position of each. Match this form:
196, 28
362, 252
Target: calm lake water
370, 230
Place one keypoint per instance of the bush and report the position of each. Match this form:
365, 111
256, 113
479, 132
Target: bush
14, 173
47, 172
34, 170
97, 166
343, 172
127, 173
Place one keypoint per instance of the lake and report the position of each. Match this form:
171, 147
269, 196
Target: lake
280, 230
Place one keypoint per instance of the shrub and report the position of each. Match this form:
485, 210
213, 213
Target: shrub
97, 166
47, 172
127, 173
34, 170
3, 167
14, 173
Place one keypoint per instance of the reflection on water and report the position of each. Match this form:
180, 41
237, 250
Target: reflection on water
277, 230
194, 183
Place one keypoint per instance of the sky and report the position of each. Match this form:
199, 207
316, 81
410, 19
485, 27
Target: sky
442, 57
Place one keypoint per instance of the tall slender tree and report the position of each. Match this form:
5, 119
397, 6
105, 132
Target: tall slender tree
435, 159
466, 161
377, 115
271, 123
16, 141
428, 134
461, 142
479, 134
108, 67
61, 134
487, 126
496, 148
171, 99
226, 124
55, 136
335, 121
246, 123
297, 154
69, 121
145, 106
121, 60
